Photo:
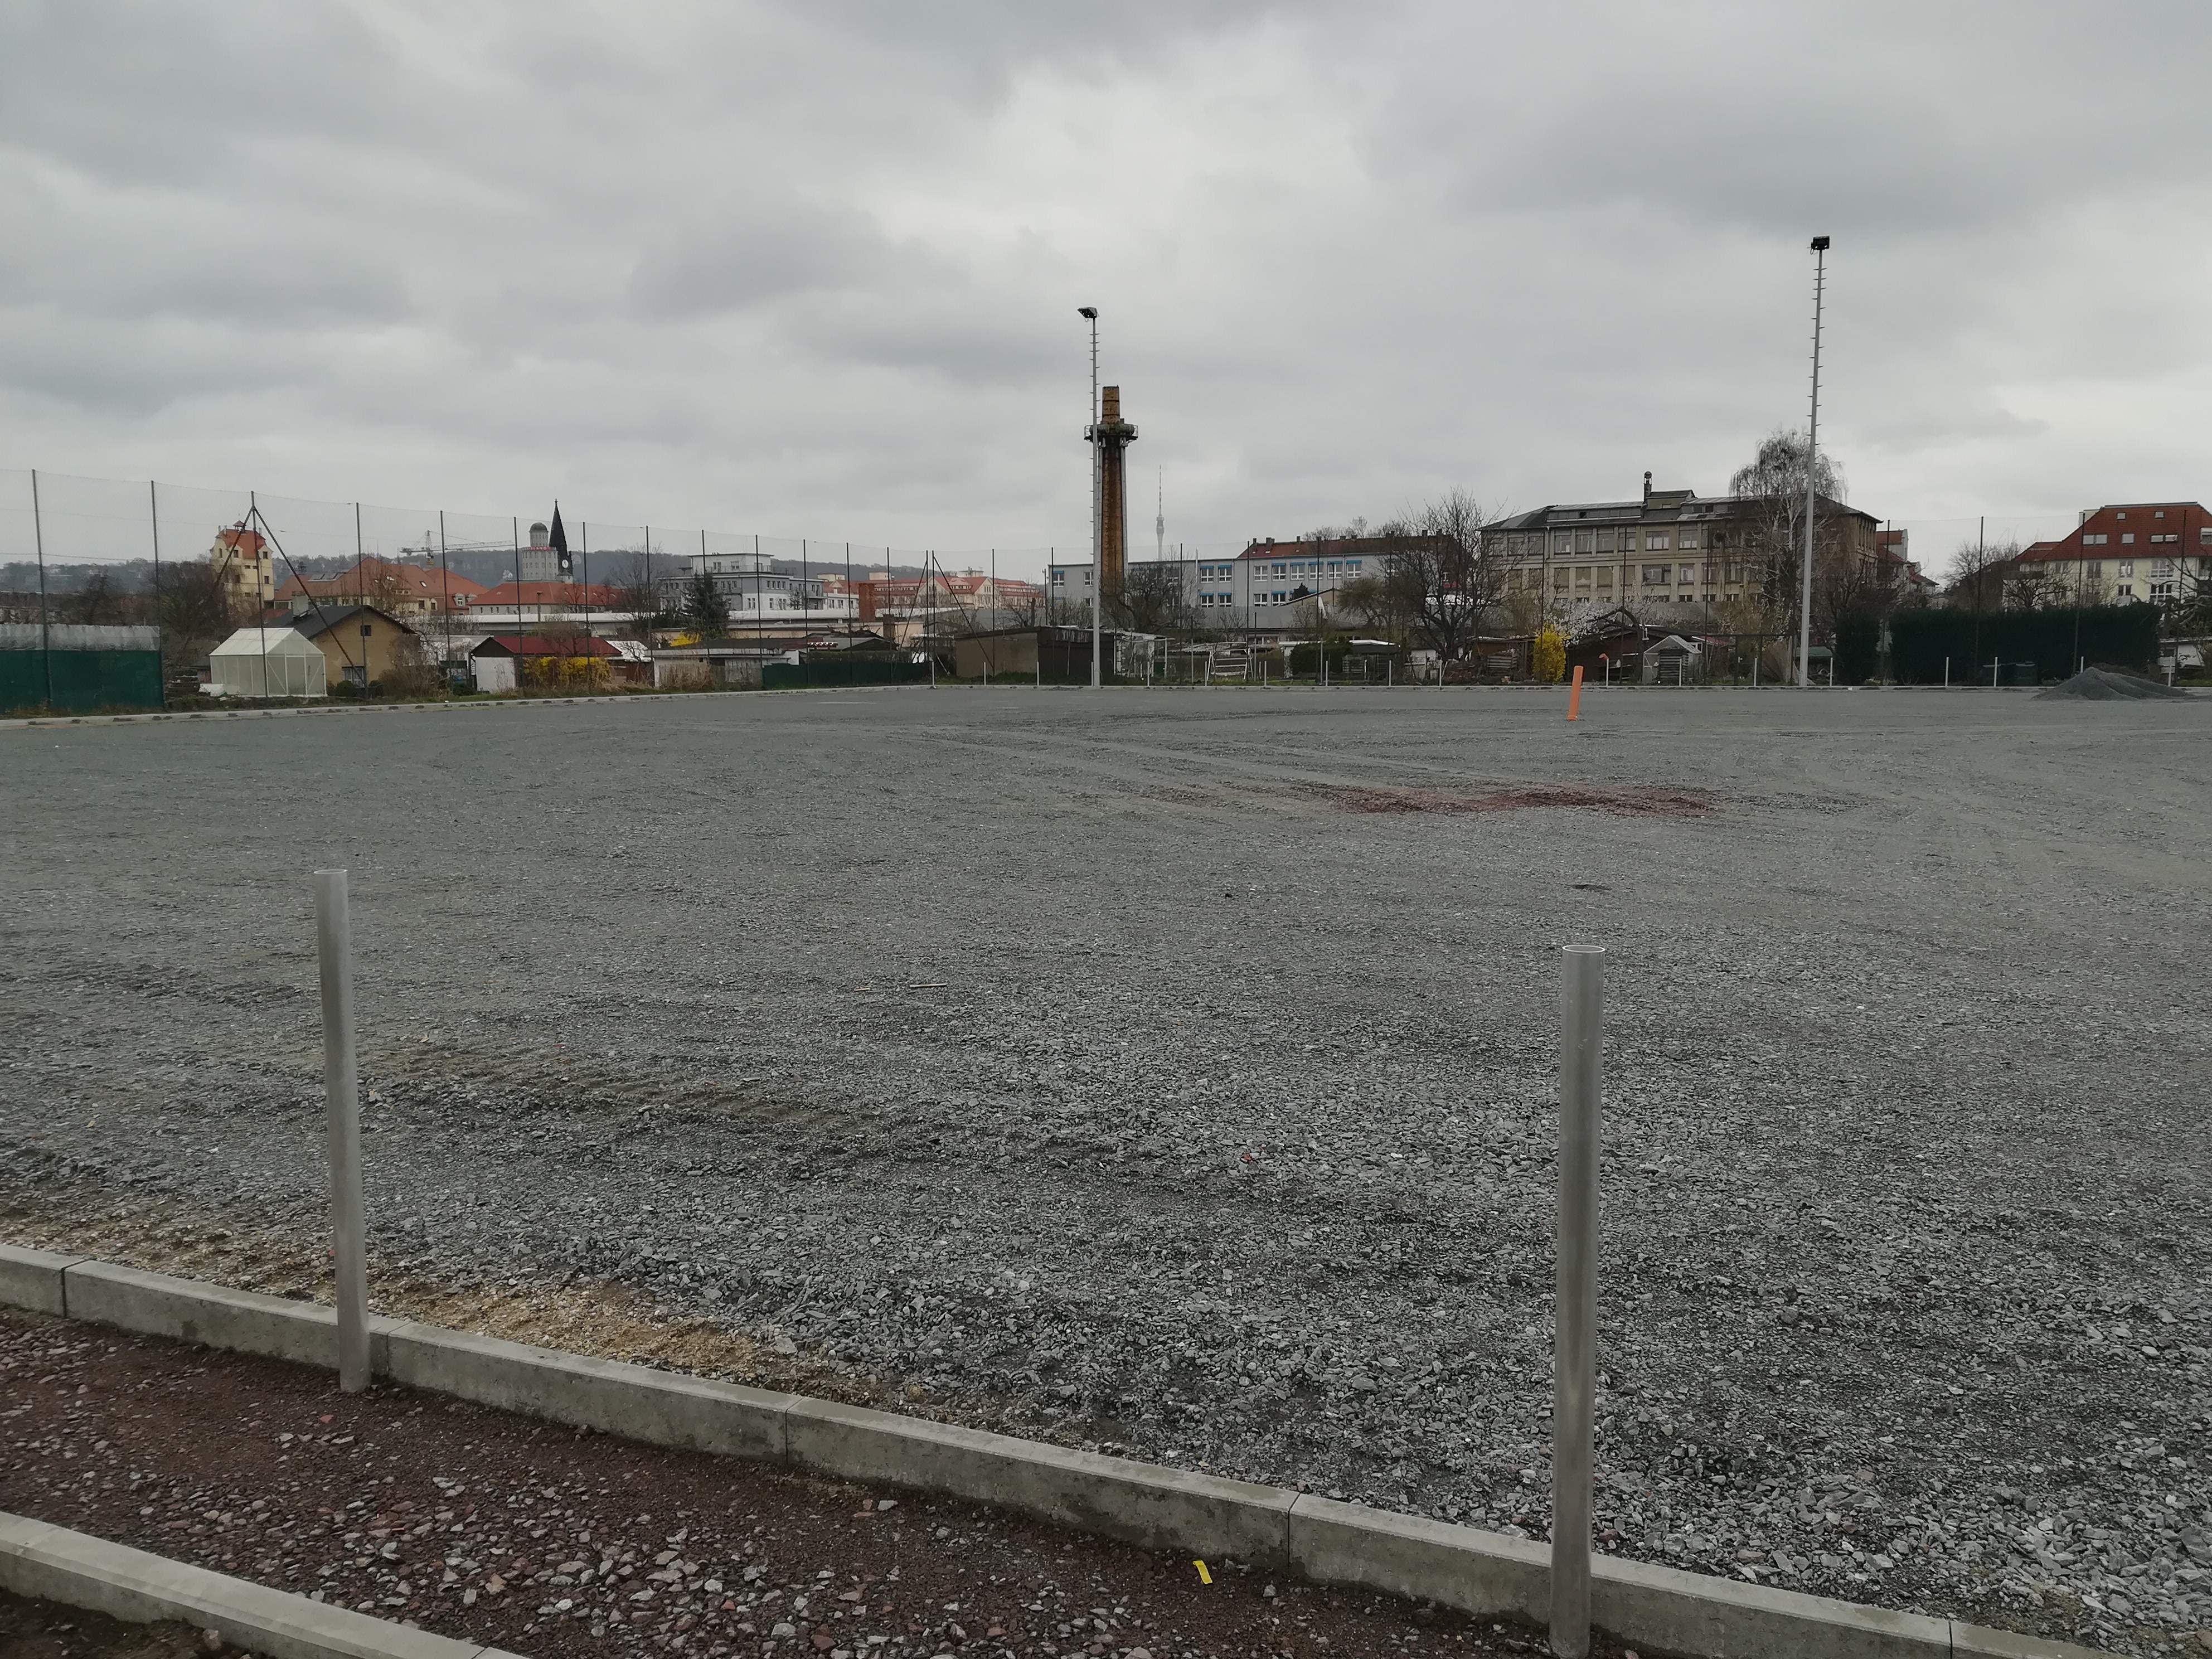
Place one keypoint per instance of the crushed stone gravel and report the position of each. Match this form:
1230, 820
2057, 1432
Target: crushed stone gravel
1171, 1073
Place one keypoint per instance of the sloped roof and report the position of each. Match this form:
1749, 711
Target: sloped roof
268, 641
536, 645
312, 624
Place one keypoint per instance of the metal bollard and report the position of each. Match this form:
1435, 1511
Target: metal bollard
342, 1092
1574, 1378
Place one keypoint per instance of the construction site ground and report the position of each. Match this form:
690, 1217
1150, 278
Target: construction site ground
542, 1541
1171, 1073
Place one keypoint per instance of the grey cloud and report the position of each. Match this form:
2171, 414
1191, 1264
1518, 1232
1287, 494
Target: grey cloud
812, 268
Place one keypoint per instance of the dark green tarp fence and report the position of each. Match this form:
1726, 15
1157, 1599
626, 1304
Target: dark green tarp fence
840, 671
88, 668
2109, 635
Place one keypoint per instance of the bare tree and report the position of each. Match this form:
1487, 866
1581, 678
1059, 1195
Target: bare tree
2041, 585
1769, 526
636, 596
1438, 576
192, 608
100, 600
2188, 609
1153, 599
1979, 570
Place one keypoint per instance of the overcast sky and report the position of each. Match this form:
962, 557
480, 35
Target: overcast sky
812, 268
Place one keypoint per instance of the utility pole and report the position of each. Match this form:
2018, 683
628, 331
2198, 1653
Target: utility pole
1812, 477
1097, 485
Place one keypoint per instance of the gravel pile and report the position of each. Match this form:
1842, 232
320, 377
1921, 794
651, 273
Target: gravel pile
495, 1529
2102, 685
1116, 1071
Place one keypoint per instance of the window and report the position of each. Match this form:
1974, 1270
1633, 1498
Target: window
2098, 540
1059, 579
1581, 575
2127, 567
1351, 564
1585, 541
2161, 567
1656, 575
2127, 537
1559, 579
2166, 537
1279, 570
1605, 541
2119, 515
1605, 575
1654, 541
2205, 536
1686, 575
1689, 538
2125, 589
2160, 514
1563, 542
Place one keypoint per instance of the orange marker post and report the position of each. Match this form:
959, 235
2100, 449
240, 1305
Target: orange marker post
1575, 696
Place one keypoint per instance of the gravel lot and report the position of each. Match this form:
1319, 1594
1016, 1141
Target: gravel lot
1171, 1072
493, 1529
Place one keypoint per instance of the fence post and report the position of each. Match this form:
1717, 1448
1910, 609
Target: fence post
342, 1091
1574, 1379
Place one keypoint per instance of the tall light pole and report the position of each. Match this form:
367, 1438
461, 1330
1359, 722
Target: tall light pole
1812, 480
1097, 481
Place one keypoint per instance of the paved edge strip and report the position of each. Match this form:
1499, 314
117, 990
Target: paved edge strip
79, 1570
1489, 1574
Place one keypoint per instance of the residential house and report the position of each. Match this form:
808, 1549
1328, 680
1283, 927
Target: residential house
582, 660
359, 643
398, 587
2118, 555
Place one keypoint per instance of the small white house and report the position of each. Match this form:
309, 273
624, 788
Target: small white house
268, 662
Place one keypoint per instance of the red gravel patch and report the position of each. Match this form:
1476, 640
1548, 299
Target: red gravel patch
1621, 801
498, 1529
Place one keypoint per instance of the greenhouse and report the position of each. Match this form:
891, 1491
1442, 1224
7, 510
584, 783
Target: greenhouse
268, 662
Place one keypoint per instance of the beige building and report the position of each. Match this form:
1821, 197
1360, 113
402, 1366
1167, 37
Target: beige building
1673, 553
360, 644
245, 568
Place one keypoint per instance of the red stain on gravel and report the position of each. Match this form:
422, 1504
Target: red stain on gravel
1622, 801
497, 1530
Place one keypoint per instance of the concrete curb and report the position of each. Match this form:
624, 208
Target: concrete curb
79, 1570
1657, 1607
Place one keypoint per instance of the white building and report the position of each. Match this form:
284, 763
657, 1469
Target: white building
1262, 590
759, 593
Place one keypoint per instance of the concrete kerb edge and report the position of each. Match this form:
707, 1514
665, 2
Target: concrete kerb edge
1663, 1609
79, 1570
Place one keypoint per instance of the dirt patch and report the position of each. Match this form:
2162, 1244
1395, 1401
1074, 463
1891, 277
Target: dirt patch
604, 1319
494, 1528
31, 1629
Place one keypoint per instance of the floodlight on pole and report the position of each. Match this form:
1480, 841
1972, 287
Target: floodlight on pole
1820, 251
1097, 483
